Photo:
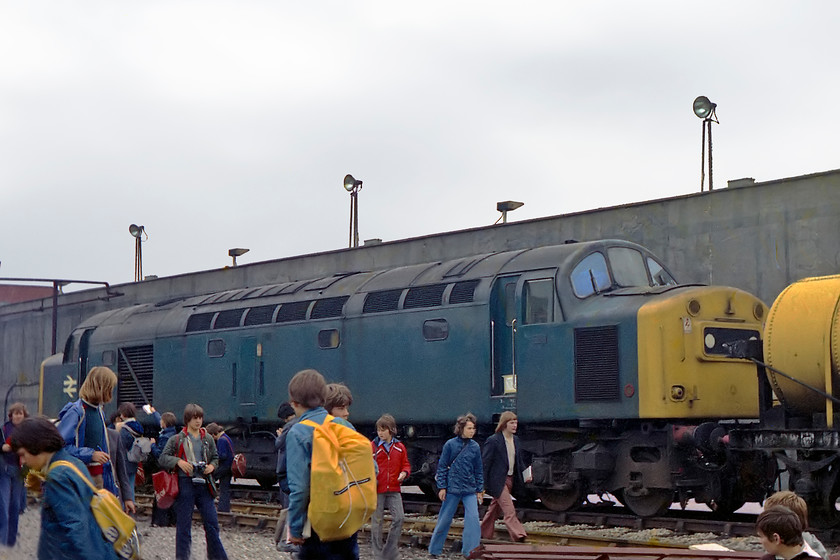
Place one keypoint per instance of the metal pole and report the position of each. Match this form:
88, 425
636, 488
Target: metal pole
355, 217
54, 316
710, 154
352, 206
703, 156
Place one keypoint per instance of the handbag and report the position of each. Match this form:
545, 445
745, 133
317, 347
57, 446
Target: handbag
140, 476
166, 488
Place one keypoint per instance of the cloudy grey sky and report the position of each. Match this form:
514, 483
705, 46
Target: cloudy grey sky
220, 124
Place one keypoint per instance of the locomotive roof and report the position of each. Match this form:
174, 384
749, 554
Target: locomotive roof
457, 280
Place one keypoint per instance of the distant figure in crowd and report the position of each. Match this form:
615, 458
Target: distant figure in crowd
460, 479
780, 532
129, 429
392, 460
82, 425
286, 414
503, 475
224, 447
11, 479
68, 529
339, 399
798, 506
188, 451
307, 395
119, 460
167, 422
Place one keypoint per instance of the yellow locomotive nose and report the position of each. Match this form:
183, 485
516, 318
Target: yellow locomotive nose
684, 366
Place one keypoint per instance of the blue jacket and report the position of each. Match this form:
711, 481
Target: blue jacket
224, 447
460, 472
68, 528
71, 425
160, 442
299, 466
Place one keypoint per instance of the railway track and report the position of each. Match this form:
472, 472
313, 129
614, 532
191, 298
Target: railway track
421, 517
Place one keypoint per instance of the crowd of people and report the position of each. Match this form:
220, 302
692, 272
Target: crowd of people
203, 456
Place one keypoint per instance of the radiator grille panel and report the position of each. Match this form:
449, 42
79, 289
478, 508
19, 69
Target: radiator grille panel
596, 364
141, 359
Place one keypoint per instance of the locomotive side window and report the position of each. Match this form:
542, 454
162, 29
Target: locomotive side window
590, 276
328, 338
108, 358
216, 348
436, 329
71, 348
659, 276
539, 301
510, 303
628, 267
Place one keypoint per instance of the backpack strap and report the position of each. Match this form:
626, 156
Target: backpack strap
75, 469
322, 428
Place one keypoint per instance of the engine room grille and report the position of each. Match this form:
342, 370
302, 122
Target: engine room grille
330, 307
463, 292
596, 364
200, 322
141, 360
387, 300
294, 311
424, 296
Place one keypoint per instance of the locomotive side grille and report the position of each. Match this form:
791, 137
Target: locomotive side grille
294, 311
141, 360
377, 302
330, 307
596, 364
259, 315
228, 319
424, 296
200, 322
463, 292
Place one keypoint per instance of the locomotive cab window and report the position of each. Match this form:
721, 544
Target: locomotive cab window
590, 276
628, 267
109, 358
216, 348
659, 276
539, 301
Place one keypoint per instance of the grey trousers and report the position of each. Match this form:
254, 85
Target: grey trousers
389, 549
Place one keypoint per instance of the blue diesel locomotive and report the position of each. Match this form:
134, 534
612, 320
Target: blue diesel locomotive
620, 375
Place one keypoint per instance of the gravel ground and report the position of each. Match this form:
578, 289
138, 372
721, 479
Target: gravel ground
159, 542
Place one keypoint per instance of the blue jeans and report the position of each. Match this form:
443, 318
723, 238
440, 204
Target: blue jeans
472, 529
196, 495
314, 549
224, 491
11, 490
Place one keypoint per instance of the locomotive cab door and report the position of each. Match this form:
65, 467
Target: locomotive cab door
502, 331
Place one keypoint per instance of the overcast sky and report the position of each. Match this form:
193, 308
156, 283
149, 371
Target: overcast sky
232, 124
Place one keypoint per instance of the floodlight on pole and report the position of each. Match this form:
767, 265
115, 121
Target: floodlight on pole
137, 233
705, 109
505, 207
236, 252
353, 186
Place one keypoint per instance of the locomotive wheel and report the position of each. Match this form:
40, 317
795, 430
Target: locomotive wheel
561, 500
653, 502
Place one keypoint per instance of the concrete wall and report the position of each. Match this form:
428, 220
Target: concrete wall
759, 237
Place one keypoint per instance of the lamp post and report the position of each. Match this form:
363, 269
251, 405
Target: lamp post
237, 252
353, 186
705, 109
137, 232
505, 207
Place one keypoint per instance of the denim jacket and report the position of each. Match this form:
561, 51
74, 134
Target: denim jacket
460, 472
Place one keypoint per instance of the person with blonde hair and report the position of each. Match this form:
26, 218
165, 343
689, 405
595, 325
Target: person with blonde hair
83, 427
503, 477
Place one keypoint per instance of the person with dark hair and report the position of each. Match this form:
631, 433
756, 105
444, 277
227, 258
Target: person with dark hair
224, 474
780, 532
11, 480
168, 422
503, 476
129, 429
393, 467
193, 452
287, 417
82, 425
460, 479
338, 400
797, 505
68, 528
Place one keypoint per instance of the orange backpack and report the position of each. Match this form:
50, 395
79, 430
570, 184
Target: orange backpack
342, 485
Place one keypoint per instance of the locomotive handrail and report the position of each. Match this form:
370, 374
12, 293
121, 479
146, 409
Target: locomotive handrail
820, 392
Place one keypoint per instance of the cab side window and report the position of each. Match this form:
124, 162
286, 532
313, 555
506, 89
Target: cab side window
539, 301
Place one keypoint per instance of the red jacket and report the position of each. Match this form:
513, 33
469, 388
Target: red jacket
391, 464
